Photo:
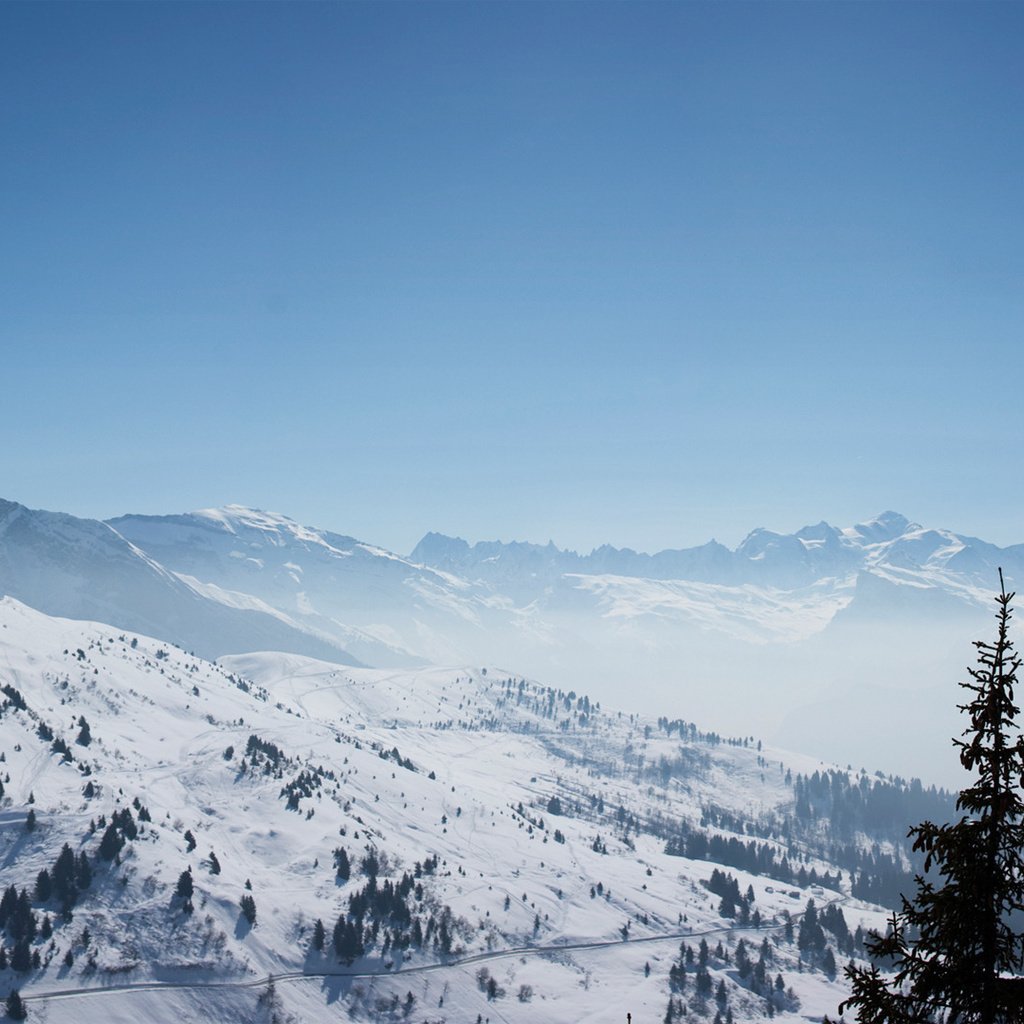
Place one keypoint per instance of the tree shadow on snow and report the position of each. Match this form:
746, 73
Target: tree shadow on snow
338, 987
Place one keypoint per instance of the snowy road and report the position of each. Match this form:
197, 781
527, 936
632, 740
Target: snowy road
476, 958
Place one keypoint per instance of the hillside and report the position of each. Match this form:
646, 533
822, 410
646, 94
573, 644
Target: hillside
889, 605
83, 569
487, 821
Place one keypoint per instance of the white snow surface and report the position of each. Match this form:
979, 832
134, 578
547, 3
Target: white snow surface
485, 764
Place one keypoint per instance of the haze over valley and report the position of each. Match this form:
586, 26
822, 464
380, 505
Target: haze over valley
735, 639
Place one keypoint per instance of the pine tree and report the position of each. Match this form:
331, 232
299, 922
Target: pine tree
342, 867
44, 887
21, 956
184, 888
248, 907
84, 737
952, 944
16, 1009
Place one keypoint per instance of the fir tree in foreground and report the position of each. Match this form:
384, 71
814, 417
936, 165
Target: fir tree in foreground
952, 947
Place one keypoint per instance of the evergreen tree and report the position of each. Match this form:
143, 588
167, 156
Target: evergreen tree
348, 939
44, 887
83, 871
811, 936
342, 866
248, 906
111, 843
318, 935
16, 1009
953, 943
828, 963
84, 737
184, 888
21, 956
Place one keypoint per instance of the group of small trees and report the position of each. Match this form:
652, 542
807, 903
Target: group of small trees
753, 975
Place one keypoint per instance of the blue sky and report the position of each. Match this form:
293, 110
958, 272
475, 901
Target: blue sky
632, 273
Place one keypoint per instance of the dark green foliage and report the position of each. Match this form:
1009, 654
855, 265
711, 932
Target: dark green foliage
953, 945
319, 936
743, 962
62, 877
122, 827
370, 863
83, 871
828, 963
704, 982
394, 755
44, 887
811, 936
214, 864
16, 1008
262, 752
16, 914
348, 939
111, 843
184, 888
248, 907
84, 737
21, 957
14, 696
342, 867
721, 995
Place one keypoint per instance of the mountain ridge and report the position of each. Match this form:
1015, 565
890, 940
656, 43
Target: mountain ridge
885, 600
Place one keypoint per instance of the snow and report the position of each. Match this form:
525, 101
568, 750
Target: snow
161, 720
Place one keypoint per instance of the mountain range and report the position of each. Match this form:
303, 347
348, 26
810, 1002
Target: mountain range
254, 771
889, 606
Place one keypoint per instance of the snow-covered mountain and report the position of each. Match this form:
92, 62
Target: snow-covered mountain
888, 605
473, 844
83, 569
383, 608
888, 545
797, 630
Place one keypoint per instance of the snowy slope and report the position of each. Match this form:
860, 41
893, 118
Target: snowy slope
84, 569
890, 607
383, 608
454, 764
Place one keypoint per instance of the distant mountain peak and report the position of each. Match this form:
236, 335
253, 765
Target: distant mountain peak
886, 526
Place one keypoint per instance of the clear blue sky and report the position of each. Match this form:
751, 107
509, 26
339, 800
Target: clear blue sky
621, 272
